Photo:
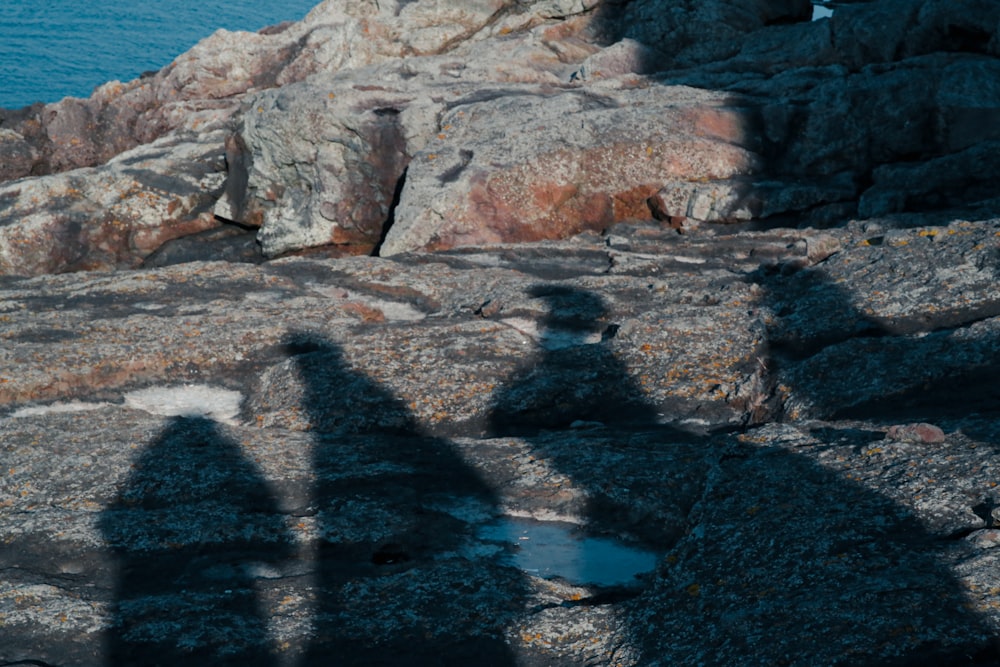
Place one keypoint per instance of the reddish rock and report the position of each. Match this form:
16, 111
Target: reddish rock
113, 216
547, 164
926, 433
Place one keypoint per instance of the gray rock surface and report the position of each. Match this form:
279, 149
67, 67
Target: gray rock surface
276, 463
533, 283
386, 127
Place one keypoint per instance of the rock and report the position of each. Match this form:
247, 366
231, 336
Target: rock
945, 182
211, 78
313, 187
928, 433
714, 27
342, 190
228, 243
811, 121
710, 200
805, 156
888, 303
747, 523
311, 455
534, 284
513, 317
17, 153
112, 216
575, 162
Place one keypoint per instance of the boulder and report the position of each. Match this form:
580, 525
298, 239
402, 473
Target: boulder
713, 30
112, 216
534, 165
316, 165
212, 77
418, 128
322, 162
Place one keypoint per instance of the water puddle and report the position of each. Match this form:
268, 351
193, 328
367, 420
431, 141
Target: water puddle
554, 549
820, 11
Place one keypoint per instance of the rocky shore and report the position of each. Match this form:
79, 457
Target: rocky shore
368, 338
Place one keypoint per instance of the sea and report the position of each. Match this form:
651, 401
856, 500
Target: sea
51, 49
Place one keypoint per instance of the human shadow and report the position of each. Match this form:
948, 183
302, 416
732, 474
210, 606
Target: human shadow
388, 502
577, 379
910, 364
190, 531
778, 541
829, 360
790, 561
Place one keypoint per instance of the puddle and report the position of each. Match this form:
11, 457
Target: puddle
821, 12
554, 549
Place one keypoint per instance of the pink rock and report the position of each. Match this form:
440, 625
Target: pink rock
922, 432
109, 217
539, 164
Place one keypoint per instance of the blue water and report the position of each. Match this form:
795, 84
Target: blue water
50, 49
552, 549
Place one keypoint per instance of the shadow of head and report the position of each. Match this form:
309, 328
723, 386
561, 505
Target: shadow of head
334, 395
570, 310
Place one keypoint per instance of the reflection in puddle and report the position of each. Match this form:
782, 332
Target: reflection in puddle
551, 549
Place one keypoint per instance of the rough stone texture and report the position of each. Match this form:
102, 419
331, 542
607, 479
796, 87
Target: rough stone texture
449, 298
717, 27
322, 162
575, 162
833, 123
253, 462
395, 127
214, 75
112, 216
630, 385
896, 298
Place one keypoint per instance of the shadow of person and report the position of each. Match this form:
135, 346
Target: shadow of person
576, 380
577, 406
790, 561
392, 505
895, 363
813, 526
191, 530
784, 554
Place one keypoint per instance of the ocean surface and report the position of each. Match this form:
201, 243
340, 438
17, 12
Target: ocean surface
51, 49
